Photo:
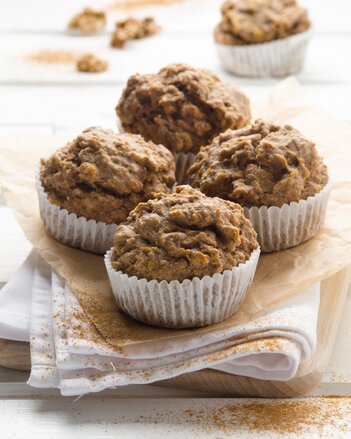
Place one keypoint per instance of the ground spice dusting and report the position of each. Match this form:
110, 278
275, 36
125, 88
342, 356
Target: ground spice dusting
46, 56
327, 416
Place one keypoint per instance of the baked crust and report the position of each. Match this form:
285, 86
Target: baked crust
183, 235
133, 29
181, 107
261, 164
102, 175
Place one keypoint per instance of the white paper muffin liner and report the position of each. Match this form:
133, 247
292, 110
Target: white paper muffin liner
283, 227
77, 232
187, 304
183, 162
275, 58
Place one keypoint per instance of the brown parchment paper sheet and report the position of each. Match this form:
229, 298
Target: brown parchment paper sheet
278, 276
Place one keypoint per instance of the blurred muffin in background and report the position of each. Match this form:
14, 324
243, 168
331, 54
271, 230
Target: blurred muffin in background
262, 37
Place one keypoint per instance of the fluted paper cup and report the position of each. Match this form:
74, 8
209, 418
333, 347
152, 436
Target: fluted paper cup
283, 227
277, 58
182, 160
187, 304
67, 228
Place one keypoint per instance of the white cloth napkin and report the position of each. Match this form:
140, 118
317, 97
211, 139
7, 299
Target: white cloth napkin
270, 347
15, 302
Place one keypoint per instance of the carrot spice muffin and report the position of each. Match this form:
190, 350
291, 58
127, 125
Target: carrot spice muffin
181, 107
179, 237
102, 175
259, 38
183, 235
259, 21
263, 164
89, 21
133, 29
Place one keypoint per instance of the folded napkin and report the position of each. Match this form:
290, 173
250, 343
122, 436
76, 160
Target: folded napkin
65, 353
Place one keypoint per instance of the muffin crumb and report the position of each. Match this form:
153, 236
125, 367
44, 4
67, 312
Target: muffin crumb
91, 64
133, 29
89, 21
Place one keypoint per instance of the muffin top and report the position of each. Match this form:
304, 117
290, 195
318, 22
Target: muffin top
261, 164
102, 175
183, 235
258, 21
181, 107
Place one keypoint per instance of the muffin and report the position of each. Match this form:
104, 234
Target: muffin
92, 183
88, 22
275, 173
183, 259
182, 108
259, 38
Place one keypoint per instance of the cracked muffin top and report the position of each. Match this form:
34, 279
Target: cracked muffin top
261, 164
183, 235
259, 21
102, 175
181, 107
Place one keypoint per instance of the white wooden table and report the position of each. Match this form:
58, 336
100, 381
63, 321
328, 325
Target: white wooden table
42, 98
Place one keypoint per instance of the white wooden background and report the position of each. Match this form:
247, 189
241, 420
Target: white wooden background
41, 98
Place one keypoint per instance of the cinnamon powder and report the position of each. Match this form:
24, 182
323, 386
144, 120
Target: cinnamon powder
46, 56
326, 416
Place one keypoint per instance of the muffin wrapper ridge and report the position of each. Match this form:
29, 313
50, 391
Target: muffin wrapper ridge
187, 304
275, 58
283, 227
77, 232
182, 160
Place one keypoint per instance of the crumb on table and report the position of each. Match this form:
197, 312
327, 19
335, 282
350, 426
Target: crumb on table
133, 29
89, 21
91, 64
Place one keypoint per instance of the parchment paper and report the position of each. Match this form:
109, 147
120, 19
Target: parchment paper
278, 275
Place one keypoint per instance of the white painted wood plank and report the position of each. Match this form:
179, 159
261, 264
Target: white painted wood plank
149, 418
187, 16
326, 62
13, 245
75, 108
